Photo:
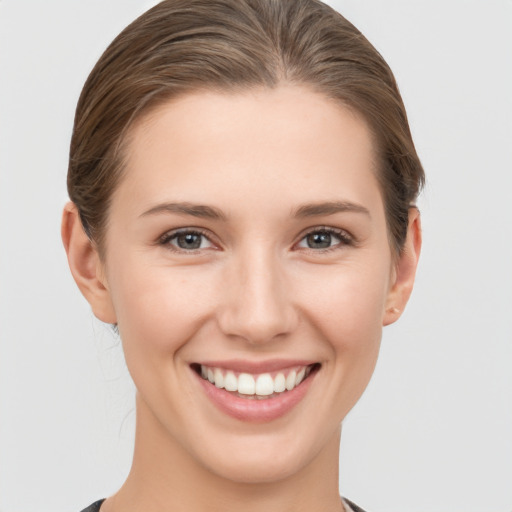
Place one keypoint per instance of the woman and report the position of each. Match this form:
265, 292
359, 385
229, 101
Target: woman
242, 179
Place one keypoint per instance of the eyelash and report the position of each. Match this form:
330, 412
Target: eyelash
345, 239
165, 240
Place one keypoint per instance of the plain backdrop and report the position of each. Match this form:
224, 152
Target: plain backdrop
433, 432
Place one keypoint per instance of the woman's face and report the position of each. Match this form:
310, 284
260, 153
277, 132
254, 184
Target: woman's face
247, 240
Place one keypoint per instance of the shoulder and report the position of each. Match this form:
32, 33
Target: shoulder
95, 507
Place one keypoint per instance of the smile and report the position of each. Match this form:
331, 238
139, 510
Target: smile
255, 392
262, 386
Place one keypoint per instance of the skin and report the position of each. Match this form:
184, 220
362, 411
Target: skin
255, 290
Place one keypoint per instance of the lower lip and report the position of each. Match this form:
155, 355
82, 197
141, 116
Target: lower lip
256, 410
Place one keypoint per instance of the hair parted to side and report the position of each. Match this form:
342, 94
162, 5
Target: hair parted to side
181, 46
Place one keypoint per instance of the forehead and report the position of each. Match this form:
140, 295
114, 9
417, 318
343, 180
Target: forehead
268, 145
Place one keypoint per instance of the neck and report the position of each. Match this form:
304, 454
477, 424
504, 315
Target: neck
166, 478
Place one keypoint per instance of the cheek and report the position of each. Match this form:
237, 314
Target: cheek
349, 304
347, 314
353, 329
158, 309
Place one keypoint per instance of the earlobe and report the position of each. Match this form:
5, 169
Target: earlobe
85, 265
405, 270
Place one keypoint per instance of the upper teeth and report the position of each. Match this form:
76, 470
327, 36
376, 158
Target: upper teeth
263, 384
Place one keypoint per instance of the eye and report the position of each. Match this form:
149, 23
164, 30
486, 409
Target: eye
325, 238
186, 240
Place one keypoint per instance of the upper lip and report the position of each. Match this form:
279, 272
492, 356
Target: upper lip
256, 367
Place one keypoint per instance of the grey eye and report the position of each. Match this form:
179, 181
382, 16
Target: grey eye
319, 240
325, 239
187, 241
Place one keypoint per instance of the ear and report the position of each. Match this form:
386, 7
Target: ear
86, 265
405, 270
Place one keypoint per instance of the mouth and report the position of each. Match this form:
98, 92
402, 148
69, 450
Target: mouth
246, 392
259, 386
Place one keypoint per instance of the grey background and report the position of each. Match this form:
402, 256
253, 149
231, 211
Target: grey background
433, 432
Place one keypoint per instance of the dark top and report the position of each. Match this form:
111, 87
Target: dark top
95, 507
354, 507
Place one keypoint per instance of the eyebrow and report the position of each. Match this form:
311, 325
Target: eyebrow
194, 210
329, 208
210, 212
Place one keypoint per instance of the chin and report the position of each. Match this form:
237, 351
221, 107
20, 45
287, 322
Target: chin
257, 468
266, 459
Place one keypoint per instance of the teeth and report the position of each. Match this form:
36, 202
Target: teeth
298, 379
290, 380
279, 383
230, 382
255, 386
246, 384
264, 385
219, 378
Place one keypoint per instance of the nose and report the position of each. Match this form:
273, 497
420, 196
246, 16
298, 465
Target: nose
258, 302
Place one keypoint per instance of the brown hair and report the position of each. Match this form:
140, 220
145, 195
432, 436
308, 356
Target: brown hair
230, 45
